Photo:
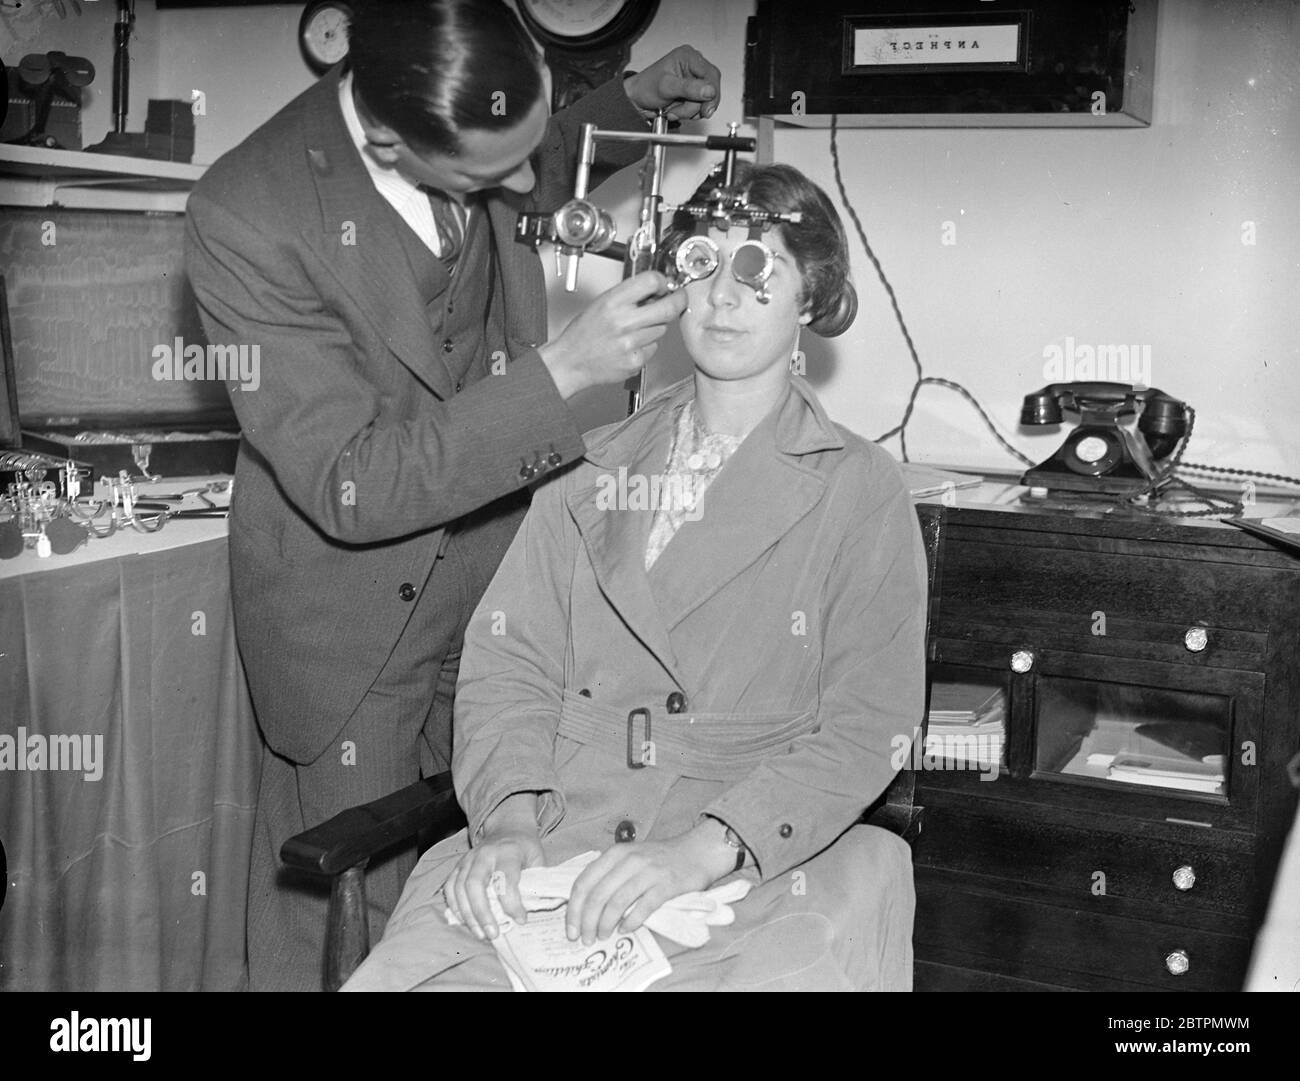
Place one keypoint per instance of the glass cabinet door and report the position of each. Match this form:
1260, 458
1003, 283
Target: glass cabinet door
1133, 735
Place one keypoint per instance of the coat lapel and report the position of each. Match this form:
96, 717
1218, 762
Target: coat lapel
615, 538
760, 495
374, 269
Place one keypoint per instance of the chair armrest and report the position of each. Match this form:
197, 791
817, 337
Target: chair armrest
896, 809
904, 821
356, 835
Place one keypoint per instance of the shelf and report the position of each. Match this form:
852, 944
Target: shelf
964, 120
38, 176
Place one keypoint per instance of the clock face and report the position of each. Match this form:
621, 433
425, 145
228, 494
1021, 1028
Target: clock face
324, 34
573, 18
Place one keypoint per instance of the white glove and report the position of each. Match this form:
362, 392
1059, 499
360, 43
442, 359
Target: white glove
685, 919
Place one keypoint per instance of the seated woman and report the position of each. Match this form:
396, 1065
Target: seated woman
756, 626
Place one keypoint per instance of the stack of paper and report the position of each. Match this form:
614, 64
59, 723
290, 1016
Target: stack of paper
1185, 773
967, 722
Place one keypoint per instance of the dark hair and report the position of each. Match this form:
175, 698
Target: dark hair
431, 69
818, 242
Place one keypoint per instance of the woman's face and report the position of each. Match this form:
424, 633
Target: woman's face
731, 335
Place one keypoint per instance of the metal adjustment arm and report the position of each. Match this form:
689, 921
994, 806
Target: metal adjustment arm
580, 226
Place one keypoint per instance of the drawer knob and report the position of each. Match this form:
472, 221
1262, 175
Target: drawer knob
1184, 878
1022, 660
1196, 639
1178, 962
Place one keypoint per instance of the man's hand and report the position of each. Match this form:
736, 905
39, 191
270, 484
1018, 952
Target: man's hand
628, 882
683, 83
615, 337
510, 844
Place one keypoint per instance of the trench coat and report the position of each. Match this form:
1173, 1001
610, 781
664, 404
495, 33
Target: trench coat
760, 672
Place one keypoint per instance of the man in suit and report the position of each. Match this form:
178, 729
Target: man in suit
361, 242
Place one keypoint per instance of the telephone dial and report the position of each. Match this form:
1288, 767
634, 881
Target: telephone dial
1124, 438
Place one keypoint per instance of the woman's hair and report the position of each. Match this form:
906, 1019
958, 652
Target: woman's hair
431, 69
818, 242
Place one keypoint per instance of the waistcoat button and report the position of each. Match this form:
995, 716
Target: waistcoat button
407, 591
676, 702
625, 831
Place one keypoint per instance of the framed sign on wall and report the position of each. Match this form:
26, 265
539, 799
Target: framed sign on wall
952, 63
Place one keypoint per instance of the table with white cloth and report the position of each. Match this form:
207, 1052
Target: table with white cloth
128, 869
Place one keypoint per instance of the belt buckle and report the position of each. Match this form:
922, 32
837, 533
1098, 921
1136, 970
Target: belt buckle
635, 757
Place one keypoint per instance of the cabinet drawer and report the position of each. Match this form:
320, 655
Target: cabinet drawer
1031, 939
1129, 588
1089, 863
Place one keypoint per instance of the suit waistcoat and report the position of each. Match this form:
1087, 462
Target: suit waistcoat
465, 314
463, 308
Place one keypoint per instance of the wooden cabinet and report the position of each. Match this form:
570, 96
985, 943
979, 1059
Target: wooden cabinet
1113, 702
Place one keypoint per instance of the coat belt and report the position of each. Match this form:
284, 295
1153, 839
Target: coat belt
707, 746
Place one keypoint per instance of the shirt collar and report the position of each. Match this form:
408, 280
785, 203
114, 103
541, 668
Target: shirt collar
384, 175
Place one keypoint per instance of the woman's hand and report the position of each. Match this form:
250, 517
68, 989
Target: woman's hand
624, 886
510, 844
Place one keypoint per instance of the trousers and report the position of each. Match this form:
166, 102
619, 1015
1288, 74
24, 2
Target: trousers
400, 732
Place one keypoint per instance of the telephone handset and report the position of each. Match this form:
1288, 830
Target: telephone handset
1107, 453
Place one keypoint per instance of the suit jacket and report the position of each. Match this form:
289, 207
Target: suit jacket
357, 450
768, 669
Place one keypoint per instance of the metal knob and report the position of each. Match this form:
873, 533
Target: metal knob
1178, 962
1022, 660
1184, 878
580, 224
1196, 639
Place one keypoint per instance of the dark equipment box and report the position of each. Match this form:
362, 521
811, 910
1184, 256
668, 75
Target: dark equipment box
170, 453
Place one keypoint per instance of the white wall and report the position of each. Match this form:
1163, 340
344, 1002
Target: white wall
1115, 236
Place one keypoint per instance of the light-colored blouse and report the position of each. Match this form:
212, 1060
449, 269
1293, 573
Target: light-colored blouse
696, 457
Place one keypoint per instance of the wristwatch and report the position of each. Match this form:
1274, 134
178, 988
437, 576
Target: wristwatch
733, 840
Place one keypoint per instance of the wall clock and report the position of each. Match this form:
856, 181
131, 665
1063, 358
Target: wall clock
587, 42
323, 34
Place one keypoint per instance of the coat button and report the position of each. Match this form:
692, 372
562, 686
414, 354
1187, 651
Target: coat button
553, 459
407, 591
786, 829
526, 472
676, 702
459, 384
448, 346
585, 693
625, 831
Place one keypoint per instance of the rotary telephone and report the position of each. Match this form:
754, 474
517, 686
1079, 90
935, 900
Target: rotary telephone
1125, 437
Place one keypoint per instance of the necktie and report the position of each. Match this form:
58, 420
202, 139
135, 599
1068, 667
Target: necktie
450, 235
